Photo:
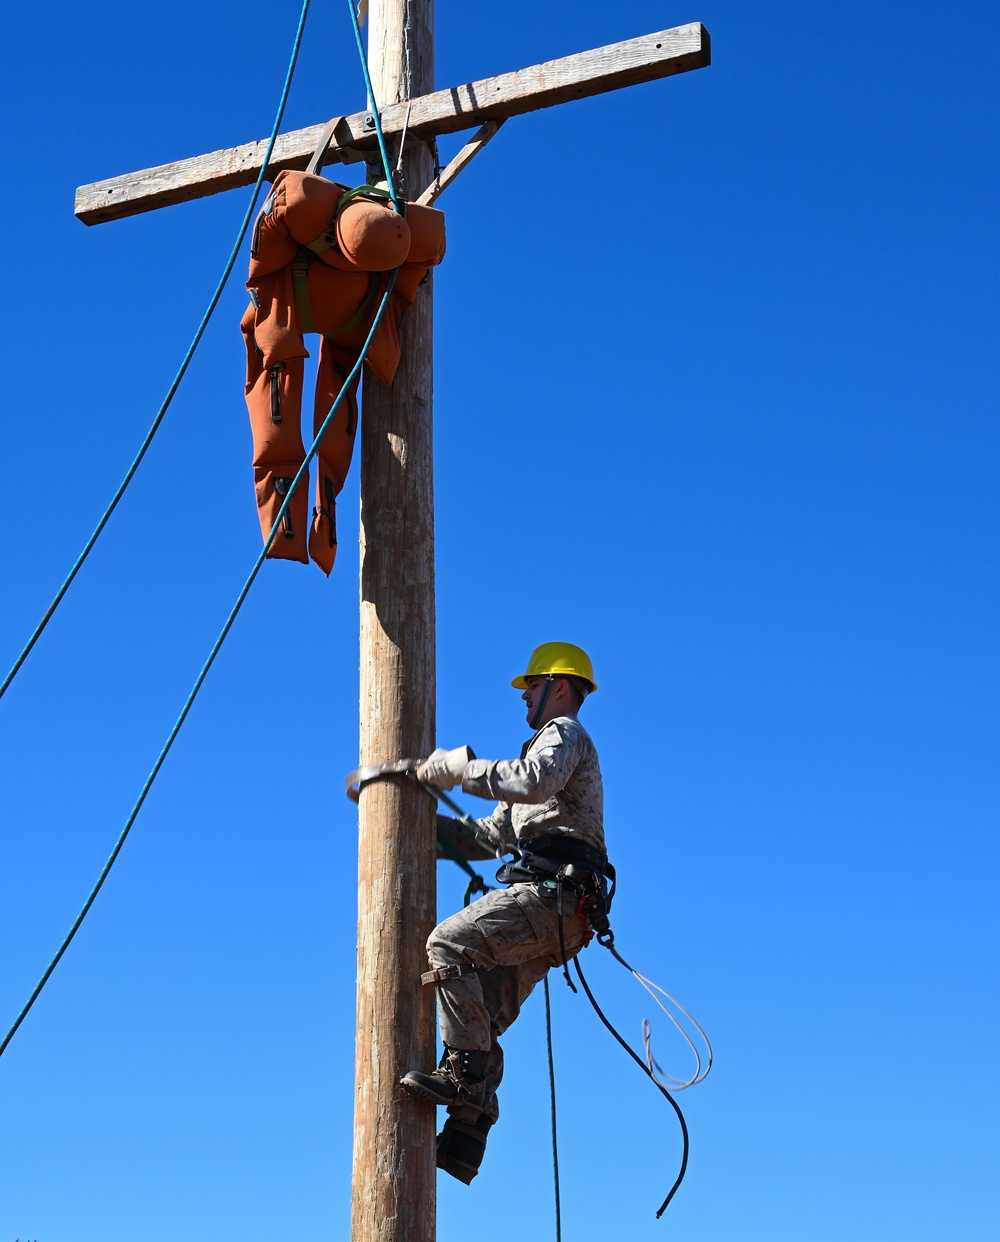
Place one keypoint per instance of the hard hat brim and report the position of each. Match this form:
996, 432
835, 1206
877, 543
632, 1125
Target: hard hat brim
521, 682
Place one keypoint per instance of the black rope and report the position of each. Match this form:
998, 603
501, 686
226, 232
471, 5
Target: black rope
562, 941
552, 1097
641, 1064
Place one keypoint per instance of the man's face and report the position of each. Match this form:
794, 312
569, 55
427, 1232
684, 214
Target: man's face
533, 696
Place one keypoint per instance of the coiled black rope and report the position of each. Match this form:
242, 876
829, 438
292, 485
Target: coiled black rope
645, 1069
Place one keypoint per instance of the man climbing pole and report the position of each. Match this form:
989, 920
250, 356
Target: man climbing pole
486, 959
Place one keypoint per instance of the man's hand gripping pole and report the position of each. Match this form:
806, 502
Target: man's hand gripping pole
413, 769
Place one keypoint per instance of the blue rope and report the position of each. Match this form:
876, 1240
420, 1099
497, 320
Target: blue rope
390, 180
130, 473
189, 702
217, 645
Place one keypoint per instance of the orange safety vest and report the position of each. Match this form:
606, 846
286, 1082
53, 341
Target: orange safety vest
319, 262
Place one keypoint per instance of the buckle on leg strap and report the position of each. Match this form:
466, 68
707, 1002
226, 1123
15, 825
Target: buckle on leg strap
446, 972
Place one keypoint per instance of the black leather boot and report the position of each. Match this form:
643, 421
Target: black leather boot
459, 1076
460, 1147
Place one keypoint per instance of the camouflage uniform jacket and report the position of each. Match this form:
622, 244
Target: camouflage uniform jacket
555, 787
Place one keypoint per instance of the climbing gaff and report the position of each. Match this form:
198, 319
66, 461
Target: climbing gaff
378, 772
407, 768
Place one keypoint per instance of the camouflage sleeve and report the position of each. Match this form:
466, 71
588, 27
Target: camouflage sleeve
546, 768
498, 827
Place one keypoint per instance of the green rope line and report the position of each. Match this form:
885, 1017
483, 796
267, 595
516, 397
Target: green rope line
469, 822
389, 179
245, 590
199, 681
214, 301
552, 1098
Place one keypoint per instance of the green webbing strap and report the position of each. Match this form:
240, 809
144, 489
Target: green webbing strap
300, 284
369, 191
328, 240
374, 282
325, 241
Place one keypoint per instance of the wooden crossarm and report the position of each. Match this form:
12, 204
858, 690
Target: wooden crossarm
602, 69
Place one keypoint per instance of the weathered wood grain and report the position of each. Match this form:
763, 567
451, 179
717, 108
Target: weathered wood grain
601, 69
394, 1176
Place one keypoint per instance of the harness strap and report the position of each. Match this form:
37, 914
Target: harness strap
303, 302
325, 241
316, 162
360, 191
566, 849
300, 284
446, 972
330, 513
352, 401
374, 282
562, 941
282, 485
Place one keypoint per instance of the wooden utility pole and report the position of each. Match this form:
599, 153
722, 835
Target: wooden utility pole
394, 1165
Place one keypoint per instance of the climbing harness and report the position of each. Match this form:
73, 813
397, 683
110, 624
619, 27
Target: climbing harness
319, 259
560, 862
181, 371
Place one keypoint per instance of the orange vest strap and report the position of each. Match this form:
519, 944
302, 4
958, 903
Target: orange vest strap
300, 284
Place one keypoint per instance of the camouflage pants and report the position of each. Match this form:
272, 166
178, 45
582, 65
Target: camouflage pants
511, 936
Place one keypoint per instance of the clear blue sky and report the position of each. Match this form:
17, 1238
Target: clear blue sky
715, 398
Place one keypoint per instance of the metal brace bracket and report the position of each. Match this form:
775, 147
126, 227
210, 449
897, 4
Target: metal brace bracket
471, 149
337, 153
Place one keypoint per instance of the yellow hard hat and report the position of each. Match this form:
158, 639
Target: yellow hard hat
559, 659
